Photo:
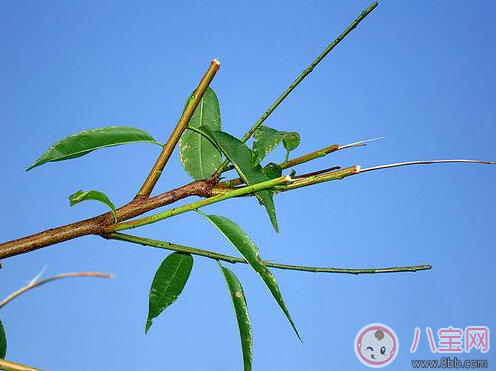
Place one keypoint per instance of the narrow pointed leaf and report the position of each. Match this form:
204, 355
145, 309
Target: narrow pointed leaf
81, 196
168, 283
240, 240
241, 157
241, 309
199, 157
3, 341
84, 142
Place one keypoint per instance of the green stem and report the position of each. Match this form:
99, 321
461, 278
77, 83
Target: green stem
321, 178
289, 163
309, 157
233, 259
300, 78
196, 205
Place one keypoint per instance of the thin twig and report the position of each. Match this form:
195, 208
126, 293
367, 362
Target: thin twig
321, 178
233, 259
37, 283
302, 76
12, 366
360, 143
355, 170
323, 171
157, 169
423, 162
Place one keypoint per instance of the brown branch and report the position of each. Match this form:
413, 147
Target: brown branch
162, 160
36, 283
98, 224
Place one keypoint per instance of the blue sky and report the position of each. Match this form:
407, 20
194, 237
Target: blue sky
420, 73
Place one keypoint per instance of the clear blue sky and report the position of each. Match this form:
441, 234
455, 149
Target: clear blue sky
421, 73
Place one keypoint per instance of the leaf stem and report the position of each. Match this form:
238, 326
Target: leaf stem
234, 260
168, 148
300, 78
198, 204
36, 283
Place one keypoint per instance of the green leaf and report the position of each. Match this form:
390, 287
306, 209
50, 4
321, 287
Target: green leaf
241, 157
81, 196
199, 157
240, 240
168, 283
241, 309
84, 142
3, 341
267, 139
290, 142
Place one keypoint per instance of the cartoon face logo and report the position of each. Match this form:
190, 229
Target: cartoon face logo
376, 345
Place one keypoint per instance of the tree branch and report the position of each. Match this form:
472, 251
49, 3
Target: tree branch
168, 148
37, 283
12, 366
233, 259
97, 224
302, 76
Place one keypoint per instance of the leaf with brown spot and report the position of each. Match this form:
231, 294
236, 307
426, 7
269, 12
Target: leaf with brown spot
241, 310
199, 157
